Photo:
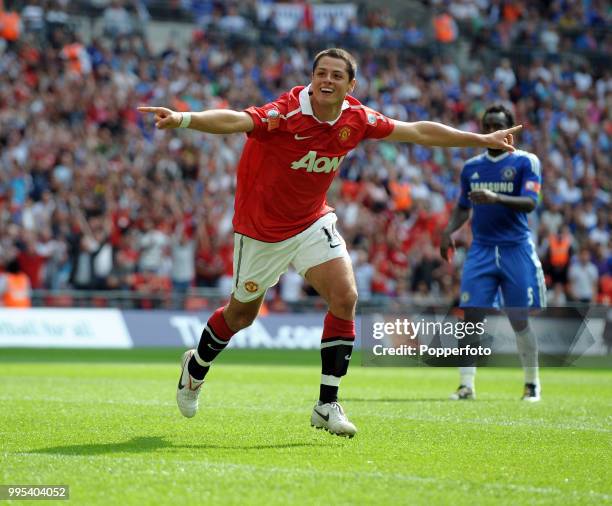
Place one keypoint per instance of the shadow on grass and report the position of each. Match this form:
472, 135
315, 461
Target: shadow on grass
148, 444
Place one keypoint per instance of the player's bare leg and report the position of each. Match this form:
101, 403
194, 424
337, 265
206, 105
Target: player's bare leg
219, 329
335, 282
240, 315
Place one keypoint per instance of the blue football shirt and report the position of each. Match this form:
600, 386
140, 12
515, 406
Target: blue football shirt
516, 174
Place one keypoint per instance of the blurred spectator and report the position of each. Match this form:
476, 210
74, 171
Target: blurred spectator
291, 287
15, 286
30, 259
117, 20
364, 274
549, 38
102, 255
425, 271
600, 233
551, 218
33, 17
232, 21
464, 10
125, 263
558, 255
183, 260
413, 36
505, 75
10, 25
445, 28
583, 278
151, 248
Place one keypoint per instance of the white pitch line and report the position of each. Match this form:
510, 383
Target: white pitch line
416, 418
222, 467
103, 380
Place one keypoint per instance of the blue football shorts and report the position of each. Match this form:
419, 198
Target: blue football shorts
509, 276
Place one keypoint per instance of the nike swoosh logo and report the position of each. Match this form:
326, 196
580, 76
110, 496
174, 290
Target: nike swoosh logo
213, 348
300, 138
191, 385
326, 417
334, 245
181, 386
347, 357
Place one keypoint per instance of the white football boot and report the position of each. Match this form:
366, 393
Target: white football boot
331, 417
531, 393
463, 393
188, 389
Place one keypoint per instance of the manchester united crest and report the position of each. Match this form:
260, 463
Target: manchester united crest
344, 133
251, 286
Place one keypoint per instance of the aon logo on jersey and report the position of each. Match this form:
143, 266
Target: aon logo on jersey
311, 163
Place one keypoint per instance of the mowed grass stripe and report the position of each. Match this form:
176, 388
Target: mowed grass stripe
107, 428
223, 467
360, 412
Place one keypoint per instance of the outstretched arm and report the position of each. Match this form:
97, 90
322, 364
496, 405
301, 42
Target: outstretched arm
429, 133
214, 121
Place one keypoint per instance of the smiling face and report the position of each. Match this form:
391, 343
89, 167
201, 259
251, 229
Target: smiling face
331, 81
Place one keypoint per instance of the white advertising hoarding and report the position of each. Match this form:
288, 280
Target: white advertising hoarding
63, 328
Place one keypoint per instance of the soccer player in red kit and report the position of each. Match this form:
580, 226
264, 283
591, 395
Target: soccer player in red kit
294, 148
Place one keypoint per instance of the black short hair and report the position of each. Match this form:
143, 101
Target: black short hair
494, 109
336, 52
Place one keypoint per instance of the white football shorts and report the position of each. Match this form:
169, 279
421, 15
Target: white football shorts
258, 265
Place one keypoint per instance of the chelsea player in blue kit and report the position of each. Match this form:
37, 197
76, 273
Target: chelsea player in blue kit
499, 189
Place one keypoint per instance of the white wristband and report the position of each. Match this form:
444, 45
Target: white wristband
185, 120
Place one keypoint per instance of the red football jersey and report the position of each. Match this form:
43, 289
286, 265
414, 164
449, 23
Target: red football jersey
290, 159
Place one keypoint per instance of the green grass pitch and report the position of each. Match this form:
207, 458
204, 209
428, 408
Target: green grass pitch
106, 424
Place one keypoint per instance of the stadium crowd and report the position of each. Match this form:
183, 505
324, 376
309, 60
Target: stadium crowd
93, 197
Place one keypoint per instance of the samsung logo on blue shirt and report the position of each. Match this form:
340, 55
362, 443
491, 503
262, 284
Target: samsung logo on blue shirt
495, 186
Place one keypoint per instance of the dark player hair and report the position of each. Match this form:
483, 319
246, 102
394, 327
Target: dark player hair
341, 54
497, 109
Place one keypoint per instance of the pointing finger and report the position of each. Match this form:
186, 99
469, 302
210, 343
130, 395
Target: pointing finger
146, 109
514, 129
156, 110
